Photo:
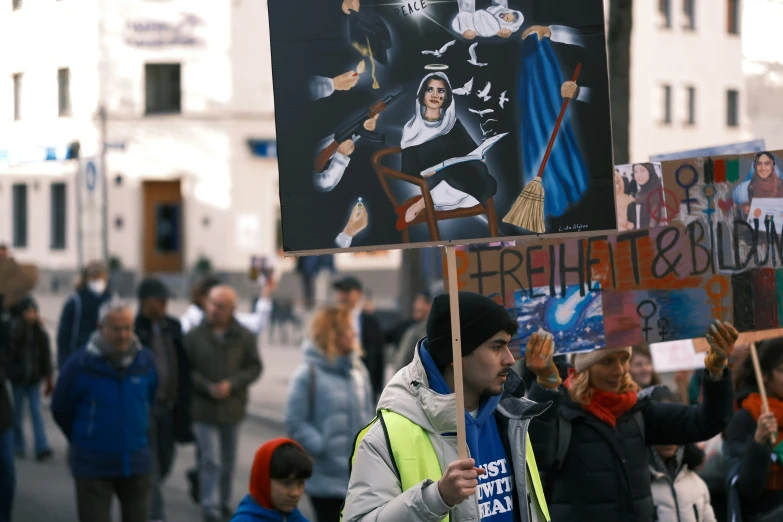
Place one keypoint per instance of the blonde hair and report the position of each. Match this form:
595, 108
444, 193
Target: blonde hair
581, 391
328, 324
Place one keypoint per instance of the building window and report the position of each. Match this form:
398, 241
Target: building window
733, 16
64, 92
689, 10
16, 4
732, 108
691, 105
163, 90
19, 220
58, 213
665, 11
18, 96
666, 98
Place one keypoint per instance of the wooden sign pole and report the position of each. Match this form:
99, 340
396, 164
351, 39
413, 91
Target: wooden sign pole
760, 381
456, 347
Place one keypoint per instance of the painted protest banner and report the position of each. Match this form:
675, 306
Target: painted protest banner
649, 285
412, 123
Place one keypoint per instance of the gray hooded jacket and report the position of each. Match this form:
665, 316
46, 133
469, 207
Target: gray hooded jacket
374, 490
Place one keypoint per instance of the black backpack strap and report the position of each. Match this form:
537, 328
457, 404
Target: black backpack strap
563, 440
639, 418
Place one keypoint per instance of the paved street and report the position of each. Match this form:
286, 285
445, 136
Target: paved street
45, 491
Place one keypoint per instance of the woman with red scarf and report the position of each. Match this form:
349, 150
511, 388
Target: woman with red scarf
754, 445
597, 467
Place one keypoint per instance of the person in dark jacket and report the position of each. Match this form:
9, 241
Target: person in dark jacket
7, 463
753, 445
280, 468
79, 317
601, 470
171, 411
367, 328
102, 404
31, 363
224, 364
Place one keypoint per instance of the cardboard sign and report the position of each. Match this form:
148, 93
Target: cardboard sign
675, 356
411, 124
644, 286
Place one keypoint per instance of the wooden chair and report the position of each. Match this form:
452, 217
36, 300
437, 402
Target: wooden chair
428, 215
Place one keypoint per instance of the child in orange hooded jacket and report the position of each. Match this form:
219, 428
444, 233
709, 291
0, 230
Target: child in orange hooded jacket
280, 468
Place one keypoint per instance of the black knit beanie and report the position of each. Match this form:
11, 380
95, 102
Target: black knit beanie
479, 318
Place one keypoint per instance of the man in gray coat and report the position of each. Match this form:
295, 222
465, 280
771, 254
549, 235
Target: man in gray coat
224, 363
405, 464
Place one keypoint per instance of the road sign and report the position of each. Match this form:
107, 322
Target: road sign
90, 175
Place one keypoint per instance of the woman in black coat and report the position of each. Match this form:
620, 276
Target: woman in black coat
597, 467
754, 461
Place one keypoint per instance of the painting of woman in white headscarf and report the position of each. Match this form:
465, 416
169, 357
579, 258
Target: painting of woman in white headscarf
761, 193
434, 134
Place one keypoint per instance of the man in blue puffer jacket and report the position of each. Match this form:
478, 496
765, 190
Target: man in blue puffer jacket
102, 404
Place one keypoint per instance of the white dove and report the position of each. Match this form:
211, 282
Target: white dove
482, 127
466, 89
473, 58
503, 99
481, 113
439, 52
484, 94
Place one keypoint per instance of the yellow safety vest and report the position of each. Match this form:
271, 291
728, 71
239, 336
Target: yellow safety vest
414, 458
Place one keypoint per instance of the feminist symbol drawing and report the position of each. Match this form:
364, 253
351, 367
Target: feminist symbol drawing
646, 317
687, 186
709, 192
717, 288
663, 328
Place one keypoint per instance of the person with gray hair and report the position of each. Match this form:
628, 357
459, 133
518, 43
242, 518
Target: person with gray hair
101, 403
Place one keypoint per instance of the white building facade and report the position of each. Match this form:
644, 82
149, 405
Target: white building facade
180, 92
186, 90
687, 83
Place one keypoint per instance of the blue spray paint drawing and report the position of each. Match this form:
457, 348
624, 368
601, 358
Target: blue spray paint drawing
576, 321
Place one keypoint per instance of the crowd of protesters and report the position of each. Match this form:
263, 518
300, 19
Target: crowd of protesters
595, 436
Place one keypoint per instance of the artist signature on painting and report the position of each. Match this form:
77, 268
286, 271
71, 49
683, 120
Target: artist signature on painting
572, 228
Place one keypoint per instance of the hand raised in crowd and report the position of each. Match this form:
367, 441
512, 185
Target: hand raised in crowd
721, 337
220, 390
539, 358
346, 148
459, 481
346, 81
766, 428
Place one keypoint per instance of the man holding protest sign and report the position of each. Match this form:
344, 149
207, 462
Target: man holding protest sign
405, 464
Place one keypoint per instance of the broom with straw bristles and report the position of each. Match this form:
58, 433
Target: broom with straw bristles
528, 210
